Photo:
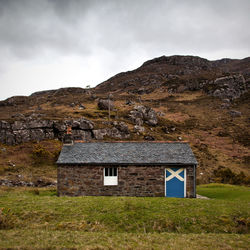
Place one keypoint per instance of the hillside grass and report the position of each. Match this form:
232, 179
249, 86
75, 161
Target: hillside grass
44, 239
38, 218
195, 116
30, 161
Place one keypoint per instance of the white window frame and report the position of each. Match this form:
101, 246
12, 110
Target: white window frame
110, 180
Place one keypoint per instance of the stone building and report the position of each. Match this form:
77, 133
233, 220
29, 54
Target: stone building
127, 169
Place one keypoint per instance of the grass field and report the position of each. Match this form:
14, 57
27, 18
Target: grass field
38, 218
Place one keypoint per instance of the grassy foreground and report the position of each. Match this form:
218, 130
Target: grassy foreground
86, 240
38, 218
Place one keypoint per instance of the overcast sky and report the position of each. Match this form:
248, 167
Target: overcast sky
48, 44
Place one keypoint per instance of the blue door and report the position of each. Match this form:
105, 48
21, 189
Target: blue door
175, 182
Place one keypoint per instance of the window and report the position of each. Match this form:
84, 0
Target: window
110, 177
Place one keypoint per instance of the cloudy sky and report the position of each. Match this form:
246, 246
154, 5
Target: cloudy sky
48, 44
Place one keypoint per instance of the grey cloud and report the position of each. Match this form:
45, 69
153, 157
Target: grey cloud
28, 27
109, 36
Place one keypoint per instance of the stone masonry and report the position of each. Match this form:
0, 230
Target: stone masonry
88, 180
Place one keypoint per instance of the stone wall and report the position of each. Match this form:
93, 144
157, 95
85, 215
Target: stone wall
132, 181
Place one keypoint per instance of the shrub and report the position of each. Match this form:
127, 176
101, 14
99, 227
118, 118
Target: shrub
7, 219
41, 155
225, 175
35, 191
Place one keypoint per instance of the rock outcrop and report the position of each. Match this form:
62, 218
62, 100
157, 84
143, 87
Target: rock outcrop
21, 131
181, 73
235, 113
229, 87
105, 104
141, 114
119, 130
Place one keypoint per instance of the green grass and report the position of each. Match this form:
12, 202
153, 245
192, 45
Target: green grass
225, 192
87, 240
38, 218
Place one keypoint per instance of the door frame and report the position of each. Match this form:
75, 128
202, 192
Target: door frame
185, 174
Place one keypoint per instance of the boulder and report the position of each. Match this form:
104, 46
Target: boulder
105, 104
81, 135
86, 124
37, 123
129, 102
19, 125
59, 126
5, 125
9, 138
151, 117
100, 133
141, 114
226, 101
119, 130
235, 113
139, 129
82, 124
18, 116
229, 87
225, 106
149, 138
165, 130
159, 113
81, 106
122, 127
2, 136
21, 136
37, 135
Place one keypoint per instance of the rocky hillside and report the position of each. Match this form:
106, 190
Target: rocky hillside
167, 98
178, 73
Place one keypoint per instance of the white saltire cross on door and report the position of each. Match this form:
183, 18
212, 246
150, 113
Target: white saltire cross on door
175, 180
175, 174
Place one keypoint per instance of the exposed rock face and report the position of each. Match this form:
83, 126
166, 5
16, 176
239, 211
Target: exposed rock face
105, 104
177, 73
141, 114
37, 130
120, 131
23, 131
230, 87
82, 124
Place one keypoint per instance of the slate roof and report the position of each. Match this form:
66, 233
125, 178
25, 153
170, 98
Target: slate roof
127, 153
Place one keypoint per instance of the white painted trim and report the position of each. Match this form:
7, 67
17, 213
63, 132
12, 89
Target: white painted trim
110, 180
185, 172
165, 181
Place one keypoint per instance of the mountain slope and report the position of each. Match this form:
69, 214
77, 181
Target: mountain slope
200, 101
173, 70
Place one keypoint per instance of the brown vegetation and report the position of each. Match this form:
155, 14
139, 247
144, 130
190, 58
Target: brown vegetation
217, 138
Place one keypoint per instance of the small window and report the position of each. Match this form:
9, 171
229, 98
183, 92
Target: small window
110, 177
